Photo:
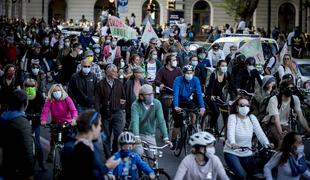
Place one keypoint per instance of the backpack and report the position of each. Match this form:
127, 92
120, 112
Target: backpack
190, 35
267, 62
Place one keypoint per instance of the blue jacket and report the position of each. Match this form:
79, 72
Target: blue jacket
136, 164
85, 41
183, 91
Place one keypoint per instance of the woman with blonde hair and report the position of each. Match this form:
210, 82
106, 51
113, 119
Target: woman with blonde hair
288, 67
62, 110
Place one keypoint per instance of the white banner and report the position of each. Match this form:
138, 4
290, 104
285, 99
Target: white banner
253, 48
148, 33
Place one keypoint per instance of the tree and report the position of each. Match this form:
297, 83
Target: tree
240, 9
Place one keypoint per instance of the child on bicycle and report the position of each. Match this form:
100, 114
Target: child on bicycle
131, 162
201, 163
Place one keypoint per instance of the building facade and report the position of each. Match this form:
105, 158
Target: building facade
284, 13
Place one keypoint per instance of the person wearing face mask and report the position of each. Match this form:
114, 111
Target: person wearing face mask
201, 70
219, 79
38, 75
10, 51
263, 95
94, 68
289, 161
98, 57
165, 78
63, 52
152, 65
281, 108
250, 76
184, 54
33, 111
82, 87
84, 161
111, 51
135, 48
61, 109
8, 83
146, 112
69, 64
215, 54
230, 58
85, 38
131, 162
240, 128
110, 99
202, 163
132, 87
186, 91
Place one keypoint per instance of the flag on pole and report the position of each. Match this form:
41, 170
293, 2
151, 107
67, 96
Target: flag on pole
148, 33
253, 48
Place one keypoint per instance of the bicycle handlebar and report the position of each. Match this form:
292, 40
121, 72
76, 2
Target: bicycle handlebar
64, 125
148, 145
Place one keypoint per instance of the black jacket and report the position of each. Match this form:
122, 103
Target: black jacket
82, 89
16, 142
130, 95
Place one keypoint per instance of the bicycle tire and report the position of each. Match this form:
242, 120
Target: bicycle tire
179, 144
34, 151
163, 175
57, 167
189, 131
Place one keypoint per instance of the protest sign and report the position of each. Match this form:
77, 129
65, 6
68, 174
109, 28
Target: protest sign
120, 29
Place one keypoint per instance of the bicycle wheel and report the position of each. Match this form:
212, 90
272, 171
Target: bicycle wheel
162, 175
57, 169
180, 143
34, 151
190, 130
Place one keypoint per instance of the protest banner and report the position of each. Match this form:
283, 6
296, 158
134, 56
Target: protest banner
120, 30
253, 48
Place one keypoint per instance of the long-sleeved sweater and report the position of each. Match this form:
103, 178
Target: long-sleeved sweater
284, 171
240, 131
189, 169
137, 112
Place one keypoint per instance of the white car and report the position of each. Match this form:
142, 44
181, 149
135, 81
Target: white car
240, 40
304, 70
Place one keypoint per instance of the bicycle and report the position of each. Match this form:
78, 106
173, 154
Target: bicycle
224, 111
35, 145
61, 131
186, 130
260, 156
152, 155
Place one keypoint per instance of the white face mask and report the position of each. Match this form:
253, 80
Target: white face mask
35, 71
250, 68
154, 56
189, 77
57, 94
80, 52
224, 69
86, 70
29, 42
67, 44
210, 151
122, 64
174, 63
300, 149
97, 50
244, 110
194, 63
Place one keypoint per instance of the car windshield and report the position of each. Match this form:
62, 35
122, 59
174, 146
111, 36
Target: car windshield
304, 69
266, 46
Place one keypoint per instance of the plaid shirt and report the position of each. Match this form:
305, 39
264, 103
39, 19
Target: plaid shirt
94, 69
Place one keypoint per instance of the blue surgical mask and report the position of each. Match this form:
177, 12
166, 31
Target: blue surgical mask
300, 149
202, 55
86, 70
97, 50
194, 63
149, 99
125, 153
189, 77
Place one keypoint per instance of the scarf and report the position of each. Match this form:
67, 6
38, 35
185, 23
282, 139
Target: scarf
298, 166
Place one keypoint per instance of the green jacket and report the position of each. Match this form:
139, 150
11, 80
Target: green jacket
149, 128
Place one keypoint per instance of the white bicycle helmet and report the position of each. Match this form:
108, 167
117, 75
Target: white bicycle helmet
188, 68
126, 138
202, 139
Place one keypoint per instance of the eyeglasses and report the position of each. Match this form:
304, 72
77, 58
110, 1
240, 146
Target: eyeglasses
148, 94
244, 105
86, 66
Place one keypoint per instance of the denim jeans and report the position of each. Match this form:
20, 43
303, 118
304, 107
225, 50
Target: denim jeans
37, 132
240, 166
112, 124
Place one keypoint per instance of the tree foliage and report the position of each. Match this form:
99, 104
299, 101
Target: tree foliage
240, 8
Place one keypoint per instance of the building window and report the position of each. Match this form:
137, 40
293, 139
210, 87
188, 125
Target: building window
286, 18
201, 16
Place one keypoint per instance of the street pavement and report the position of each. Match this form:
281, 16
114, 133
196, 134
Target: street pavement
169, 162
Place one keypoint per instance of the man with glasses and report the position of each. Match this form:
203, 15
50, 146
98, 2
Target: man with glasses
82, 87
95, 68
146, 112
230, 58
153, 45
281, 110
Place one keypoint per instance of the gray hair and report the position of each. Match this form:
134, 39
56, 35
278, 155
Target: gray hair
110, 67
